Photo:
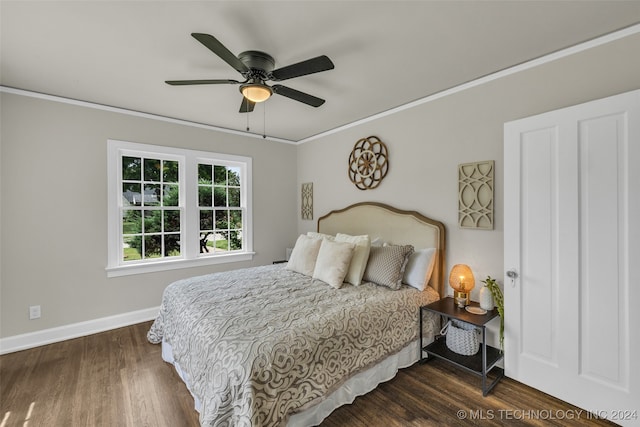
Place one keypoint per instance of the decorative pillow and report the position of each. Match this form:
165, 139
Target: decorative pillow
419, 268
333, 262
360, 256
316, 235
386, 265
304, 255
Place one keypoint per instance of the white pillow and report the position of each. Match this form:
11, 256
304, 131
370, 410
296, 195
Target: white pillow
378, 242
360, 256
333, 262
304, 255
419, 268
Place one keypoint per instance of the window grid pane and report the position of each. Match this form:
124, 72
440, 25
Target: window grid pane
151, 212
221, 223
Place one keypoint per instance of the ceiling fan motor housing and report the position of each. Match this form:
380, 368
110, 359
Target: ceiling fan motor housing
257, 61
260, 65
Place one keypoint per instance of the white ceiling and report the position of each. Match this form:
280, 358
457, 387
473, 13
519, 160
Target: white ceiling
386, 53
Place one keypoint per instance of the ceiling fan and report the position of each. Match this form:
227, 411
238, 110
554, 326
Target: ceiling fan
257, 68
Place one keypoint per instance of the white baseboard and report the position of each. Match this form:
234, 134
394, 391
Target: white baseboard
75, 330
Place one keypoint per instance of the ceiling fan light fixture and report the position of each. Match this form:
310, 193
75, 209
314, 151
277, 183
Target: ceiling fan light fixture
256, 92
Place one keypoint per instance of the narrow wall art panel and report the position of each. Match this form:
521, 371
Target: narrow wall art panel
475, 195
307, 200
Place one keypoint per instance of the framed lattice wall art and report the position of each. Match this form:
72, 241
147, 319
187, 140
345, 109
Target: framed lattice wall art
307, 200
475, 195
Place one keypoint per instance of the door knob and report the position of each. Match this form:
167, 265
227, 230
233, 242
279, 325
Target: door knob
513, 275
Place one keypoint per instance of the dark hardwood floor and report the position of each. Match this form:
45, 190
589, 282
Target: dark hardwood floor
117, 378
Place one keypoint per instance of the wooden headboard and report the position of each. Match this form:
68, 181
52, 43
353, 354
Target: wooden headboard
394, 226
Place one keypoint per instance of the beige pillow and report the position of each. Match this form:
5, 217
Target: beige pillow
360, 256
386, 265
304, 255
333, 262
317, 235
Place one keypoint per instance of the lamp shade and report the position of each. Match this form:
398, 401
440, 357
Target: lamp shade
461, 278
256, 92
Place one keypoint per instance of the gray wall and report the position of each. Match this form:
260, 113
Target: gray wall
54, 209
53, 182
426, 144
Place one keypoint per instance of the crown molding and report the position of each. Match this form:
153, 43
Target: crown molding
554, 56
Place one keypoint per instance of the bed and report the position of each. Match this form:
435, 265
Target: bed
286, 344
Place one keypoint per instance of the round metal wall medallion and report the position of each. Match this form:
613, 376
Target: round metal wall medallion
368, 163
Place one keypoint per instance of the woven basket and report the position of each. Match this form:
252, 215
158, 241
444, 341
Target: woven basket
462, 338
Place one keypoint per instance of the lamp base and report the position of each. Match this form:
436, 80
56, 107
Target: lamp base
462, 299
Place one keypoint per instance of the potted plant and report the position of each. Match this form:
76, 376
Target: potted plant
498, 300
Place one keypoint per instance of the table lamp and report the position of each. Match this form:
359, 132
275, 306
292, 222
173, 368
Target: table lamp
462, 281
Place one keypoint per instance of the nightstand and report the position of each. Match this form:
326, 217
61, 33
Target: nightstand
480, 363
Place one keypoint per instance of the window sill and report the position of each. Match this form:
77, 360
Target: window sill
152, 267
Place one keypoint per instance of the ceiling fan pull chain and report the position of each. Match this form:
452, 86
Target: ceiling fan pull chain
264, 120
247, 114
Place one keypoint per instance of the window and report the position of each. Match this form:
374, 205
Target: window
151, 208
219, 194
175, 208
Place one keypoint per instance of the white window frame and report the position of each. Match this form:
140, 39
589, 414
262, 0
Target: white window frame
190, 216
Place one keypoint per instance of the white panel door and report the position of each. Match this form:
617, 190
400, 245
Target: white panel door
572, 234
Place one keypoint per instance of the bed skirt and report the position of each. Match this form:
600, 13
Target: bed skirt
359, 384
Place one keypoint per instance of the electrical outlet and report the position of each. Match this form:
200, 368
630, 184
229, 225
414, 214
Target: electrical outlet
34, 312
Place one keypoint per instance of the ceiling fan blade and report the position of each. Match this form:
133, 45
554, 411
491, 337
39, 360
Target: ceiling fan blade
310, 66
219, 49
246, 106
200, 82
297, 95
